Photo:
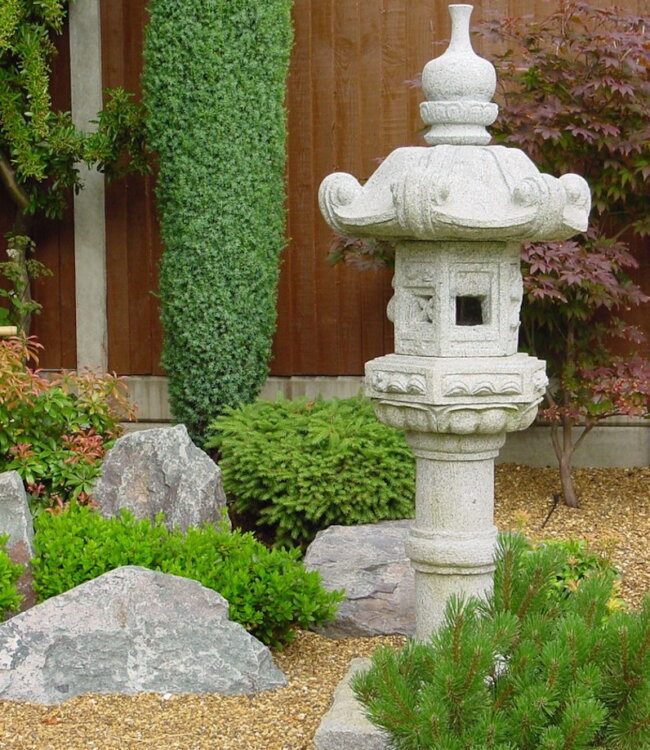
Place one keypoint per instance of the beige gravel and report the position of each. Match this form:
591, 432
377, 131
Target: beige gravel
615, 515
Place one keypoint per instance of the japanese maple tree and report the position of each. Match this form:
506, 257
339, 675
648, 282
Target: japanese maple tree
575, 96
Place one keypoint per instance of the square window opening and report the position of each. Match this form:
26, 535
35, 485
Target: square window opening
469, 311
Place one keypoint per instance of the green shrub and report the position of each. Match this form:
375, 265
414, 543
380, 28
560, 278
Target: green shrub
269, 591
533, 668
296, 467
214, 87
10, 572
55, 431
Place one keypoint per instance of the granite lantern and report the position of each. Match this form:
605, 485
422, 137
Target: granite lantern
457, 211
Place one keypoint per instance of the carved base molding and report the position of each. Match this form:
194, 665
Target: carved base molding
484, 395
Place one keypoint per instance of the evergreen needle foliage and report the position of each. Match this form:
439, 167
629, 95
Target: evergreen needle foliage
296, 467
214, 86
536, 667
269, 591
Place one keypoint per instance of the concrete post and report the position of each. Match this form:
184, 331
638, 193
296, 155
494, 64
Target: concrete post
89, 217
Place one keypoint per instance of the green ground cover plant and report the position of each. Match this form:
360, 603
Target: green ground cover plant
292, 468
54, 431
269, 591
536, 667
214, 88
10, 572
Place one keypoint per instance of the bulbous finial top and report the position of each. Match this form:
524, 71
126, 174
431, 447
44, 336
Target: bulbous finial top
458, 86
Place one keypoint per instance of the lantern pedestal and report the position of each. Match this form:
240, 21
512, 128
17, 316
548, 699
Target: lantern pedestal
455, 412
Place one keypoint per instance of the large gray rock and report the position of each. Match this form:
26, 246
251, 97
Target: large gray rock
16, 520
128, 631
161, 470
370, 563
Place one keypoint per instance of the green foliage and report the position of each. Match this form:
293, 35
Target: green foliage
269, 591
532, 668
55, 431
9, 573
296, 467
40, 148
19, 270
214, 83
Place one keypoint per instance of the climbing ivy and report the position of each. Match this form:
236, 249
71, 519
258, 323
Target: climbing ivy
214, 84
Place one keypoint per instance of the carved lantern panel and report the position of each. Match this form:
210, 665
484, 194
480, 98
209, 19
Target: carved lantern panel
456, 299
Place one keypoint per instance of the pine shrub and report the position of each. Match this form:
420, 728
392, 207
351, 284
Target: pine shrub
536, 667
269, 591
296, 467
214, 87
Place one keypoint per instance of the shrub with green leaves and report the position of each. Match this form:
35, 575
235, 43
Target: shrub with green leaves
296, 467
530, 669
54, 431
269, 591
10, 572
214, 88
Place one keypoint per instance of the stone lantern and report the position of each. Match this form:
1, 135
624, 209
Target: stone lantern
456, 211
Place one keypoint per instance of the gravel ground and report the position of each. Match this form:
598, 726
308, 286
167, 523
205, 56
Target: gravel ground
615, 516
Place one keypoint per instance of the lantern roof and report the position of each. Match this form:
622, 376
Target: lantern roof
458, 187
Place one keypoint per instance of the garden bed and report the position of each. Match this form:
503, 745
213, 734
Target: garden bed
615, 516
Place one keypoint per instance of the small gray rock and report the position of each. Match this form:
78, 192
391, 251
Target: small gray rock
161, 470
128, 631
345, 726
370, 563
16, 520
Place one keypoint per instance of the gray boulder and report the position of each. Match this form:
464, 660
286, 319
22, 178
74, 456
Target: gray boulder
161, 470
16, 520
128, 631
370, 563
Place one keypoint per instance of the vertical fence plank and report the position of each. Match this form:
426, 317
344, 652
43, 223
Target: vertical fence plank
55, 327
328, 280
298, 320
117, 201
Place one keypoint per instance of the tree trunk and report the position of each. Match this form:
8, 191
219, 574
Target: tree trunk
564, 450
566, 481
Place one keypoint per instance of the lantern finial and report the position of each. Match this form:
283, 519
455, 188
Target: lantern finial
458, 86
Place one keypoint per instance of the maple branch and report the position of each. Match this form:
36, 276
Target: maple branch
585, 431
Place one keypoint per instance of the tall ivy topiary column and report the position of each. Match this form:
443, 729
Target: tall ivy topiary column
214, 88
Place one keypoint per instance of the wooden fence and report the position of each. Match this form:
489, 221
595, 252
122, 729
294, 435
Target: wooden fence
349, 104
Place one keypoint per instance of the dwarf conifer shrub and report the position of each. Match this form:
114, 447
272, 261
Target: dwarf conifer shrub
214, 87
295, 467
534, 668
269, 591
